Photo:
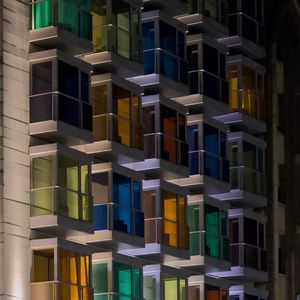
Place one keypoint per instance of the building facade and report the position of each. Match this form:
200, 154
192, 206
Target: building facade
140, 151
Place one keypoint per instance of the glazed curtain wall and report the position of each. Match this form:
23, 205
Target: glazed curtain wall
72, 15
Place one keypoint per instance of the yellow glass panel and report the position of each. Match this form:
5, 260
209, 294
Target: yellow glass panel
99, 30
43, 265
124, 131
169, 285
84, 270
182, 286
169, 205
74, 292
232, 75
84, 179
42, 173
170, 233
68, 266
249, 92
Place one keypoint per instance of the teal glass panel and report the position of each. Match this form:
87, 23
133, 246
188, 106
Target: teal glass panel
136, 195
122, 279
211, 219
137, 282
41, 14
68, 16
193, 217
86, 22
195, 243
212, 245
100, 278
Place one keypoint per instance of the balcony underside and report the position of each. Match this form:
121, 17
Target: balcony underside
62, 39
60, 225
113, 151
110, 62
160, 253
112, 240
243, 46
205, 25
204, 264
243, 122
60, 132
242, 274
243, 199
160, 168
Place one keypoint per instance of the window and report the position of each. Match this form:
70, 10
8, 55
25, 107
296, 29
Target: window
100, 278
72, 196
149, 284
169, 286
43, 265
73, 15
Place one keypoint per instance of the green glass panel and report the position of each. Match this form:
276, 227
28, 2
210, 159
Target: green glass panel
42, 172
85, 25
211, 219
87, 208
193, 217
68, 16
223, 219
137, 282
149, 285
212, 245
182, 286
68, 203
68, 173
41, 14
122, 278
84, 179
41, 202
100, 279
169, 286
195, 243
101, 297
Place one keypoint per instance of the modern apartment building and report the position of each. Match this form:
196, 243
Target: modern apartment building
136, 144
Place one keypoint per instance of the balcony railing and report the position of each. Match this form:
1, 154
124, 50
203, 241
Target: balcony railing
206, 163
249, 256
51, 290
165, 63
157, 145
57, 106
117, 40
69, 16
215, 9
162, 231
112, 127
111, 216
208, 84
61, 201
247, 179
204, 243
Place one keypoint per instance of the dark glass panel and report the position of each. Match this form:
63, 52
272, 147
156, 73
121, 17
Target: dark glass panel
194, 163
192, 57
248, 7
222, 66
250, 297
149, 62
223, 145
41, 78
194, 82
148, 35
210, 59
261, 232
224, 91
101, 217
168, 37
168, 121
68, 110
211, 86
234, 231
181, 44
139, 223
232, 6
225, 170
211, 166
249, 29
84, 86
233, 25
250, 231
68, 79
87, 117
211, 139
193, 137
41, 108
137, 195
183, 71
168, 65
249, 152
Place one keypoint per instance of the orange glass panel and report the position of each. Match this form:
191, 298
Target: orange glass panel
84, 270
249, 92
68, 266
169, 149
212, 293
169, 205
170, 233
232, 75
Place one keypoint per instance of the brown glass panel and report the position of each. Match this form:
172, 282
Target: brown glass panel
43, 265
149, 204
212, 293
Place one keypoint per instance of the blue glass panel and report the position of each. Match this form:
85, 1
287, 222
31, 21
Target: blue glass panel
193, 137
210, 139
87, 117
211, 86
211, 166
149, 62
68, 110
168, 65
68, 80
85, 86
223, 144
181, 44
121, 189
167, 37
139, 223
122, 219
100, 217
194, 163
148, 35
136, 195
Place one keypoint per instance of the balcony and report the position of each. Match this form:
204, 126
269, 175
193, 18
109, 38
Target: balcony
249, 180
115, 135
60, 23
209, 16
57, 291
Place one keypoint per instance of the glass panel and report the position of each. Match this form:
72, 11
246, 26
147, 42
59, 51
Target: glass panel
193, 217
149, 204
250, 231
122, 219
169, 287
87, 116
68, 203
121, 190
167, 37
100, 278
210, 139
84, 87
193, 137
148, 35
211, 166
68, 80
195, 243
41, 108
251, 256
194, 159
223, 220
43, 265
149, 62
41, 14
170, 233
122, 275
224, 294
41, 202
169, 201
68, 111
137, 275
249, 153
211, 292
210, 59
68, 266
101, 217
99, 100
212, 245
41, 78
68, 16
139, 223
168, 65
232, 75
42, 172
182, 218
68, 173
149, 285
